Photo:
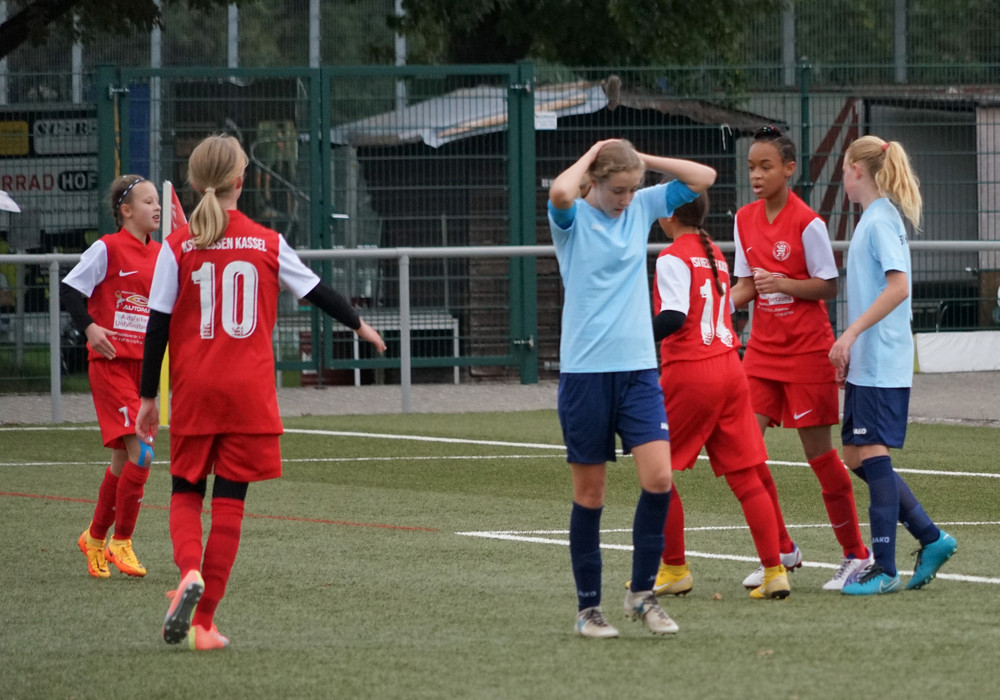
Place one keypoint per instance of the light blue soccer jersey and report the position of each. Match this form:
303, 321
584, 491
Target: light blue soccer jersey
607, 319
882, 356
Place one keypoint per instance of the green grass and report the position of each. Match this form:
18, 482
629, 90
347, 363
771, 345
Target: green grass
353, 582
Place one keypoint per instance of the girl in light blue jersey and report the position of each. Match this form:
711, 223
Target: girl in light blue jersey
874, 360
600, 222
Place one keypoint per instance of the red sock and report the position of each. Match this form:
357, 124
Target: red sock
838, 497
185, 530
759, 513
784, 541
104, 511
673, 531
130, 487
220, 553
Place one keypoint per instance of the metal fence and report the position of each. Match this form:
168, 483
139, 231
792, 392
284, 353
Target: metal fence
371, 159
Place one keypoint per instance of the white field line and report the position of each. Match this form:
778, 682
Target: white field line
464, 441
533, 537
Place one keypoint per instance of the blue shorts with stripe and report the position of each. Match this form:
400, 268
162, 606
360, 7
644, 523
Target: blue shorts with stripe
594, 406
875, 415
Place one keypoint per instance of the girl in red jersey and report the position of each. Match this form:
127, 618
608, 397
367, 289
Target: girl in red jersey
106, 294
706, 395
215, 297
784, 263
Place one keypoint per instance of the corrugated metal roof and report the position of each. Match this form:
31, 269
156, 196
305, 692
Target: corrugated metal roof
463, 113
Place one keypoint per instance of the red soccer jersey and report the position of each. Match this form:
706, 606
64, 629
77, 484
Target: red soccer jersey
790, 337
223, 304
708, 329
115, 273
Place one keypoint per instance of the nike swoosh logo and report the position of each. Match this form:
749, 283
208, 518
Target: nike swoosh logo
122, 273
799, 415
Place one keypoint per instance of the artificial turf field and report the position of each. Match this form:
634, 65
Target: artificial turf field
424, 556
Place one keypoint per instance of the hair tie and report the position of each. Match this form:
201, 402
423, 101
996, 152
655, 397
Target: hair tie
209, 190
128, 189
885, 146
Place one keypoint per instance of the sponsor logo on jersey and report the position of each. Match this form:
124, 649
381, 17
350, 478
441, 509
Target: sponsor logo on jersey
123, 273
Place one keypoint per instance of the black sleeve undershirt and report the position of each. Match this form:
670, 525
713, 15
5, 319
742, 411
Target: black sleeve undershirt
157, 335
74, 301
334, 304
666, 323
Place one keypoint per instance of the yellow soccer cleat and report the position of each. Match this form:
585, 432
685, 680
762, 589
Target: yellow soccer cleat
93, 549
121, 554
775, 584
673, 580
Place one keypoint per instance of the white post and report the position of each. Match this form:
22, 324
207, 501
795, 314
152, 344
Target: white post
233, 37
314, 25
77, 58
400, 61
155, 102
788, 58
4, 88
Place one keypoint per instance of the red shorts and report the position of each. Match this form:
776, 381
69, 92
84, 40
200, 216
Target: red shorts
114, 385
708, 404
235, 456
795, 405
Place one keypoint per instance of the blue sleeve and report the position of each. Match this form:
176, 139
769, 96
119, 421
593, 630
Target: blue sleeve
678, 194
563, 218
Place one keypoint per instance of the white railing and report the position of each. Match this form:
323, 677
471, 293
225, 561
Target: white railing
403, 256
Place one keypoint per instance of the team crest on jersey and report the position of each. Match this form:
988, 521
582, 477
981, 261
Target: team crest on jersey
781, 250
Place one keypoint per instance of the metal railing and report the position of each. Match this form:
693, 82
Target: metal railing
403, 256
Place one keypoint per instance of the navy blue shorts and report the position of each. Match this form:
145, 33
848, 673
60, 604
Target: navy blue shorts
875, 415
594, 406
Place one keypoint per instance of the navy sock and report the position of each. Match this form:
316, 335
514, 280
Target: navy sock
911, 513
647, 538
883, 511
585, 554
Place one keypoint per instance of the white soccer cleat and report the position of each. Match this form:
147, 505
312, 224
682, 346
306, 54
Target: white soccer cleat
644, 605
590, 622
791, 561
849, 569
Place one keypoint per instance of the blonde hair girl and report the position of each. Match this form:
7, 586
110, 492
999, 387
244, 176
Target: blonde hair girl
889, 165
215, 168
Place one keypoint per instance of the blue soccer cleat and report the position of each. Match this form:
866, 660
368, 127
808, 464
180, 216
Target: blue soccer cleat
930, 558
873, 581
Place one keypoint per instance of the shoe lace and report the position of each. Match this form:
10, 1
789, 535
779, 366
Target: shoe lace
126, 555
651, 606
596, 617
842, 569
870, 572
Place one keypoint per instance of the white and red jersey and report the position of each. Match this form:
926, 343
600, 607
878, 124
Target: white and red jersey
223, 302
790, 337
115, 274
684, 282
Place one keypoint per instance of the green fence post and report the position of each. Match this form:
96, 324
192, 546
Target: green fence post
107, 146
524, 278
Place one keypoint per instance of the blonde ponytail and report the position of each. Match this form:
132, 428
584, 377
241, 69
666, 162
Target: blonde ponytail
214, 167
889, 165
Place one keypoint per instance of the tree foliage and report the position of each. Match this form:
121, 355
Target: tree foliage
581, 32
34, 20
